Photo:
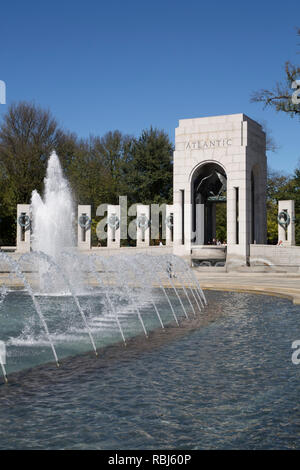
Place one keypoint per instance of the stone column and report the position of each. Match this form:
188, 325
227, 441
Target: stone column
113, 226
169, 225
143, 225
231, 216
84, 227
23, 228
177, 218
244, 216
200, 224
286, 233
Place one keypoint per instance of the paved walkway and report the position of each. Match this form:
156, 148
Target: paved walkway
282, 284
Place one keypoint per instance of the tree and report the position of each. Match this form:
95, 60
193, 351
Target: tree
280, 97
150, 171
114, 150
292, 191
282, 187
28, 134
276, 185
99, 169
89, 179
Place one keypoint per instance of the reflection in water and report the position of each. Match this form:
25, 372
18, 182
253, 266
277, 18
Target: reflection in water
223, 380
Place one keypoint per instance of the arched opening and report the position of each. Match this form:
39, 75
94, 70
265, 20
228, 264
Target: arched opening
209, 218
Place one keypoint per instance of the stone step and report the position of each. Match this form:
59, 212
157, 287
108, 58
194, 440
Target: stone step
210, 269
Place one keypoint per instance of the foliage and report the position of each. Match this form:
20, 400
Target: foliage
99, 169
150, 171
28, 134
280, 97
221, 222
282, 187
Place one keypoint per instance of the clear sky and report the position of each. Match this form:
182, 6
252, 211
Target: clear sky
128, 64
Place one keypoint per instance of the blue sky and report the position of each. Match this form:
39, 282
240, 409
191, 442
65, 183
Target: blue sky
130, 64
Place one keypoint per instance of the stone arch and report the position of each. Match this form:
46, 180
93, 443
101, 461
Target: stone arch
204, 162
236, 143
208, 181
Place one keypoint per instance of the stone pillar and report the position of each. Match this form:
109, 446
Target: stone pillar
143, 225
177, 218
231, 216
199, 224
169, 225
286, 232
23, 228
113, 226
84, 227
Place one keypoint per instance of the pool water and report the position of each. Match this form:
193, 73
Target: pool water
224, 380
27, 344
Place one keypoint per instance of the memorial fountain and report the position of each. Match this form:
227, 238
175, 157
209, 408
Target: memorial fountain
79, 302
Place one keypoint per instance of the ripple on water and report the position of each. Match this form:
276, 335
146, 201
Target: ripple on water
225, 380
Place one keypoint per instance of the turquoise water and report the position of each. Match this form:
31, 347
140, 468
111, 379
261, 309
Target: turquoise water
223, 380
27, 344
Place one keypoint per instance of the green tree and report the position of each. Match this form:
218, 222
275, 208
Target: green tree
276, 183
99, 169
149, 176
89, 179
282, 187
292, 191
27, 136
114, 150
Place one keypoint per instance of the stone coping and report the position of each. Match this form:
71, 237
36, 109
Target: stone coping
285, 285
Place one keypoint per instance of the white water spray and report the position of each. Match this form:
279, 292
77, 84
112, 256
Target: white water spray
53, 220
